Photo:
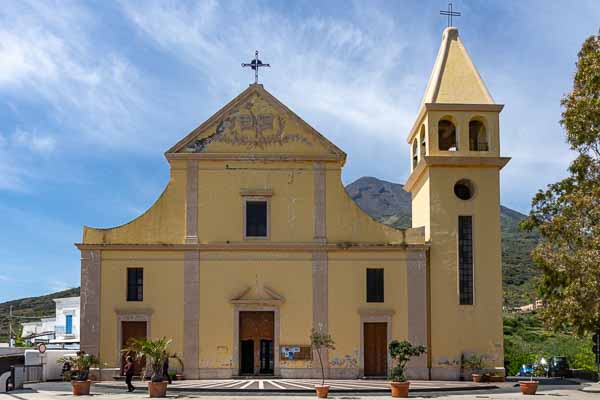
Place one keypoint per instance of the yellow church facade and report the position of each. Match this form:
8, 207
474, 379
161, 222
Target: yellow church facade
254, 242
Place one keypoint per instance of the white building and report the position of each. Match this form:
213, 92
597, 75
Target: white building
63, 329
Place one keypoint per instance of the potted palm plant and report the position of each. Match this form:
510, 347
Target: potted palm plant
401, 353
156, 353
530, 387
321, 341
476, 363
79, 371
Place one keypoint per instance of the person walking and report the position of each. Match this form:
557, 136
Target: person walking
166, 370
129, 370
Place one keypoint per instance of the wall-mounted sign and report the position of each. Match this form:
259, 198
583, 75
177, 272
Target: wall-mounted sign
295, 352
42, 348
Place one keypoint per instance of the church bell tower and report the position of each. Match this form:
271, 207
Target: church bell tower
454, 183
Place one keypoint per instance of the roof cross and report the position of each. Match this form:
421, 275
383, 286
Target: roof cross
450, 14
255, 65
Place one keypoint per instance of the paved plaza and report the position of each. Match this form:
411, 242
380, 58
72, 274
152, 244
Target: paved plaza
185, 389
305, 385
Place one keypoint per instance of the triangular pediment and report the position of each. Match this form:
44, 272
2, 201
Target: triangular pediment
256, 123
455, 79
258, 294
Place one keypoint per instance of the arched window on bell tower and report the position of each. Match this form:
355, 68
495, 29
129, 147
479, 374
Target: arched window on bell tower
415, 153
447, 135
478, 140
423, 141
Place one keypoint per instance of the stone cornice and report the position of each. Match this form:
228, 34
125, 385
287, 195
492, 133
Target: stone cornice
256, 157
453, 161
255, 246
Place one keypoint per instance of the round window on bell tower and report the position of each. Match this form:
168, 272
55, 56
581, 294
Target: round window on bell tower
464, 189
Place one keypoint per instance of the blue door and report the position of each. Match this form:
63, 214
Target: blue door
69, 325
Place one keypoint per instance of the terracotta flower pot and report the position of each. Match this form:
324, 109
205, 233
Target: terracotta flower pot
322, 391
399, 389
528, 387
477, 377
157, 389
81, 388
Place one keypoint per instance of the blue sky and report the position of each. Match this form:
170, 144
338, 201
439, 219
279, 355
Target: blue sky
92, 93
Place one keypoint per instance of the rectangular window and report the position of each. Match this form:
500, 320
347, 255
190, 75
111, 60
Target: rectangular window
465, 259
69, 325
375, 285
256, 218
135, 284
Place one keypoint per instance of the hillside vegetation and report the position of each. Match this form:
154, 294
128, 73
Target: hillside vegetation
41, 306
526, 341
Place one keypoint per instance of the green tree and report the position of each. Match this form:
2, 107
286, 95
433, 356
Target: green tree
320, 340
567, 213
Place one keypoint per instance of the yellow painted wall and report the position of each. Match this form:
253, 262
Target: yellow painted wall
421, 201
347, 288
480, 325
287, 274
163, 294
291, 205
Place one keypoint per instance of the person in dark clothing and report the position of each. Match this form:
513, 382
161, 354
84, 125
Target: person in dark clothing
129, 370
166, 370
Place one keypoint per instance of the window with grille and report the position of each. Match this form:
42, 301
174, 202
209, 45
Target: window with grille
135, 284
465, 259
374, 285
256, 218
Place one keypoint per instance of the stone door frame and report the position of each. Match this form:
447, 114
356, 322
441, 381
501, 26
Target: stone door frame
142, 315
235, 362
374, 316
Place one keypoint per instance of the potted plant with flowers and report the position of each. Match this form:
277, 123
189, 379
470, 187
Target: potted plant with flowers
79, 371
156, 353
321, 341
401, 353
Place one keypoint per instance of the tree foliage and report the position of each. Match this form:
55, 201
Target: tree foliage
567, 213
321, 340
155, 351
401, 353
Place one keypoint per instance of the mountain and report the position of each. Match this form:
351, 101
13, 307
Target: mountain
390, 204
32, 307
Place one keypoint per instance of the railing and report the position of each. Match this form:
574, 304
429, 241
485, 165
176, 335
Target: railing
32, 373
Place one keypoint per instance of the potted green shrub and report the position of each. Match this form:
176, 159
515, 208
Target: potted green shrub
79, 371
476, 363
320, 341
530, 387
401, 353
156, 353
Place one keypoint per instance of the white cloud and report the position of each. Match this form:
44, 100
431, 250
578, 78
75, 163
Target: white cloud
59, 286
35, 142
323, 66
22, 157
50, 52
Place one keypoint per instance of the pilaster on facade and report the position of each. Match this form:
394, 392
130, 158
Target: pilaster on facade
320, 222
418, 310
191, 203
191, 313
90, 301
